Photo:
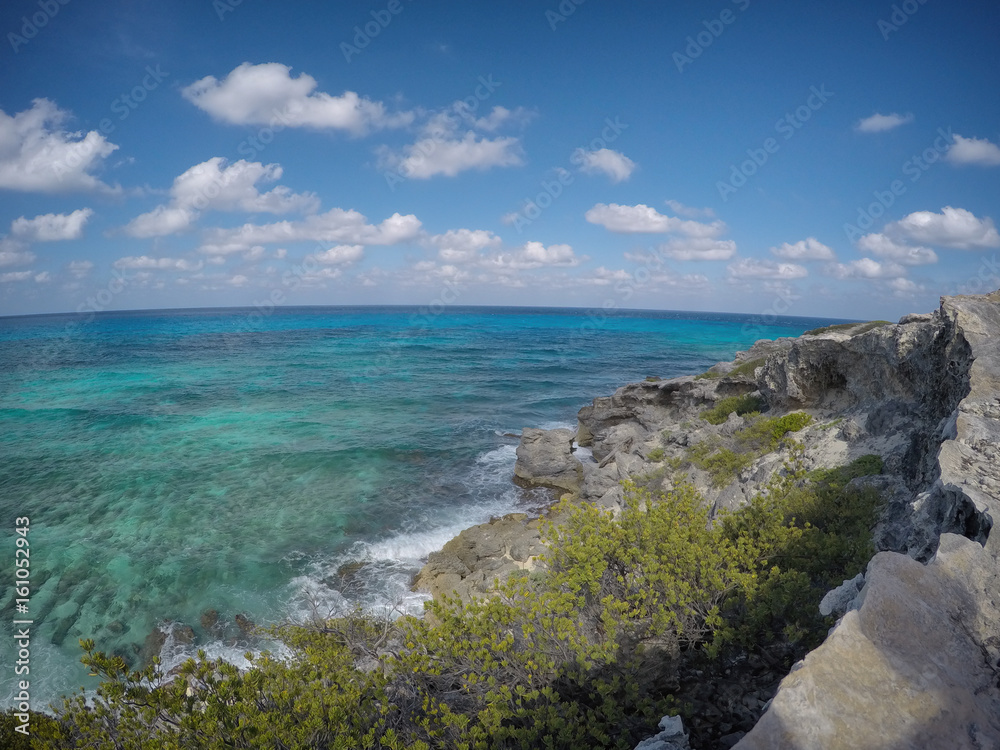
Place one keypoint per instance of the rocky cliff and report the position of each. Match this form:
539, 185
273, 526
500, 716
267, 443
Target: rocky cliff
913, 662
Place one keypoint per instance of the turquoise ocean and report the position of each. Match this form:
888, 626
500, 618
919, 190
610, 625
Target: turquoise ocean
174, 462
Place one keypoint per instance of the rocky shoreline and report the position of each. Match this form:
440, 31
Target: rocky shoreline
914, 660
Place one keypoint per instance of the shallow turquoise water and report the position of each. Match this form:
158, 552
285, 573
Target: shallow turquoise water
174, 462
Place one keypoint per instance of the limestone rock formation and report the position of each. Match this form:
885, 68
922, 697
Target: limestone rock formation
915, 661
905, 671
468, 565
545, 459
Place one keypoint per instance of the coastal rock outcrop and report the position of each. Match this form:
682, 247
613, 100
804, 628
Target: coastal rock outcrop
914, 661
917, 666
545, 459
469, 565
907, 670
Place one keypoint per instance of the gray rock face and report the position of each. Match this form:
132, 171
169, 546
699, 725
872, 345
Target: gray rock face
913, 663
468, 565
545, 458
670, 737
842, 599
900, 673
917, 666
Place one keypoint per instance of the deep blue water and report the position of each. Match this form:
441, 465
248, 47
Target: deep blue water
173, 462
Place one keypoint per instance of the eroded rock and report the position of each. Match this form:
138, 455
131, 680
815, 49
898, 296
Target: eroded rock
545, 459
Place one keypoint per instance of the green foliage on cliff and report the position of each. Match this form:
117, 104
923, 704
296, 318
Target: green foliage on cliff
808, 533
739, 404
760, 436
581, 654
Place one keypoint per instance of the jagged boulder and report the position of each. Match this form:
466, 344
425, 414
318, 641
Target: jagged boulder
906, 671
468, 565
545, 459
670, 737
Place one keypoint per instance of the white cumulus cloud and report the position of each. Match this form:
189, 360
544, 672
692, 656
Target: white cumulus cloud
79, 268
756, 268
977, 151
698, 248
145, 262
267, 94
953, 227
807, 249
37, 153
12, 255
690, 211
878, 123
340, 255
886, 247
51, 227
463, 245
448, 156
614, 164
217, 185
336, 226
533, 255
865, 268
644, 219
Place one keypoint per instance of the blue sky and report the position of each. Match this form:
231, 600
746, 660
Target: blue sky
836, 159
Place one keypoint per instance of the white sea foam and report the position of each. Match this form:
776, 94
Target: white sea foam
381, 571
173, 654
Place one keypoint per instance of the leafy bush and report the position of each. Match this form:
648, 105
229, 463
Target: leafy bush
722, 464
740, 404
809, 533
655, 455
762, 435
746, 368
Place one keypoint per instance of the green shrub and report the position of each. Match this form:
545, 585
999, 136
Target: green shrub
740, 404
746, 368
760, 436
655, 455
708, 375
809, 533
764, 434
722, 464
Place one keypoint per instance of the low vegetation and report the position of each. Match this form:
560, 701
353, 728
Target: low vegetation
746, 404
745, 369
725, 459
581, 653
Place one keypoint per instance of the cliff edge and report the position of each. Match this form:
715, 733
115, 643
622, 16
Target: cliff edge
914, 661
